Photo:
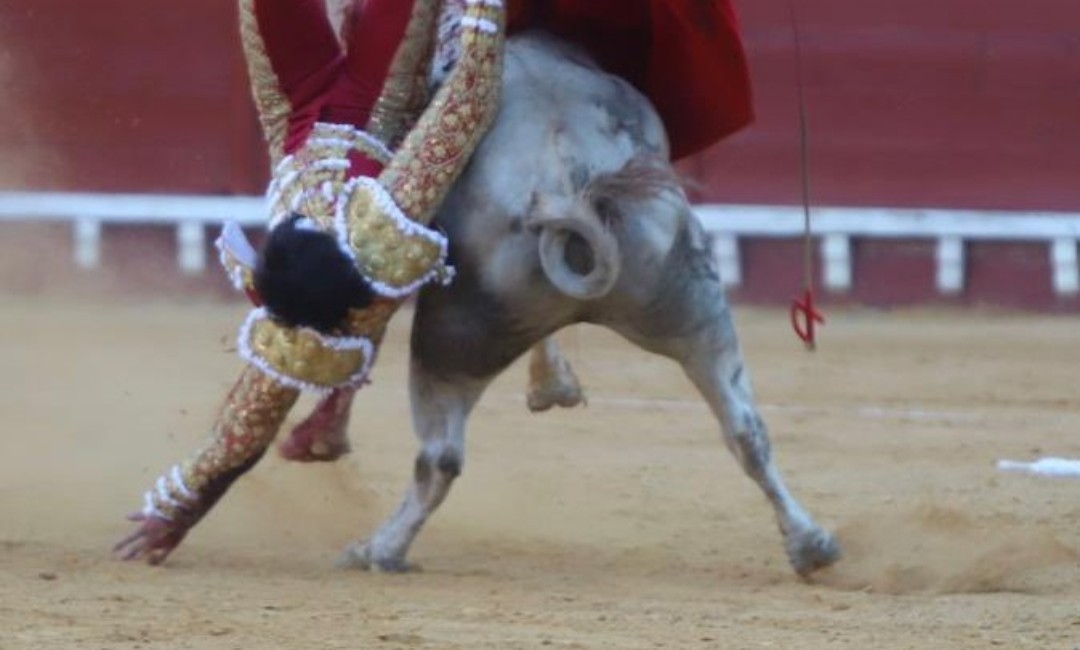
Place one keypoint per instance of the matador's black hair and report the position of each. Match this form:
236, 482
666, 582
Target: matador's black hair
305, 279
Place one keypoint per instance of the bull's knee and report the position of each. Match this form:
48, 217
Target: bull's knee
444, 463
449, 463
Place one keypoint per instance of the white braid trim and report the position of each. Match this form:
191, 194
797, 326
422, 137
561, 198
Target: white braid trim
279, 185
332, 342
339, 143
169, 490
150, 509
485, 3
164, 496
178, 483
331, 164
479, 24
283, 164
406, 225
349, 130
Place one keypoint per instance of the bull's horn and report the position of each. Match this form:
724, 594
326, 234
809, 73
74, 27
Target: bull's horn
583, 279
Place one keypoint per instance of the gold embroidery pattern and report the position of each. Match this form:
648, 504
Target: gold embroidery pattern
247, 424
302, 357
395, 254
273, 106
404, 94
436, 151
371, 321
312, 180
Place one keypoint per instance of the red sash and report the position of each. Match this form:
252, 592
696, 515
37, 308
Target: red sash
686, 56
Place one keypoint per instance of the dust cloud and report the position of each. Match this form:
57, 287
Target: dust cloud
943, 550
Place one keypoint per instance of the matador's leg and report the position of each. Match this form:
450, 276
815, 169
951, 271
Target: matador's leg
252, 415
374, 33
323, 435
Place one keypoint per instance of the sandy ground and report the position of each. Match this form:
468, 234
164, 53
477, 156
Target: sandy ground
621, 525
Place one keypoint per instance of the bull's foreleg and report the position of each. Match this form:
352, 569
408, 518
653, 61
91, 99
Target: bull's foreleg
551, 380
714, 363
440, 410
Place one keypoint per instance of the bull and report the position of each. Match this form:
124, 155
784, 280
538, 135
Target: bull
569, 213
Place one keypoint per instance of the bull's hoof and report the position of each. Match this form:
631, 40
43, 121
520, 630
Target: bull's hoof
359, 556
812, 550
561, 389
543, 398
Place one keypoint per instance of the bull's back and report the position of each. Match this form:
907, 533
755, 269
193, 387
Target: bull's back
561, 118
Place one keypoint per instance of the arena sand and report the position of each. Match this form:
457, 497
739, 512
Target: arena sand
622, 525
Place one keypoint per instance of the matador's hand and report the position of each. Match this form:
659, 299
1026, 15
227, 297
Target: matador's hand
153, 540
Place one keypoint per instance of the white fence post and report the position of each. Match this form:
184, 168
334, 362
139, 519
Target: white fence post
191, 247
87, 245
726, 249
836, 251
1064, 264
950, 265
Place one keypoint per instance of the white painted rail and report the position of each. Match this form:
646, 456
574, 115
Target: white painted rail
87, 212
950, 229
835, 228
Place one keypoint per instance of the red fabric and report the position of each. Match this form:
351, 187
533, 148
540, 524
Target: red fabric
321, 82
686, 56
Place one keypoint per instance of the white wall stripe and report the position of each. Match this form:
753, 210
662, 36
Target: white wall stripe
837, 228
784, 221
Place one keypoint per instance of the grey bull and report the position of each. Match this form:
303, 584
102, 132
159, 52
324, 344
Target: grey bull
570, 213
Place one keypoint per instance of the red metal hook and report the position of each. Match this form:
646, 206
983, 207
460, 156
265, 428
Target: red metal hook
804, 327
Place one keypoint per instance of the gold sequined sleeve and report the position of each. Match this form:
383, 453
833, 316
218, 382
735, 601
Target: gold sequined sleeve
271, 103
245, 427
436, 151
405, 91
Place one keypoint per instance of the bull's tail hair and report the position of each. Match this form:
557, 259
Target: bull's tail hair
643, 177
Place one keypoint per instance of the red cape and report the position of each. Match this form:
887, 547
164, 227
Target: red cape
686, 56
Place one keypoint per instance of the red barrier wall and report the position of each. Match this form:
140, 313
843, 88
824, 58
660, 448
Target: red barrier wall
942, 103
118, 95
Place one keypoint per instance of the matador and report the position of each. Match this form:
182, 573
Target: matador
363, 152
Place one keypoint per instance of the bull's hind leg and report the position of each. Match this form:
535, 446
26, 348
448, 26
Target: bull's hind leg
440, 410
714, 362
551, 380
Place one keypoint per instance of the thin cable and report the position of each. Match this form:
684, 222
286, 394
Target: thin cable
804, 315
804, 152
